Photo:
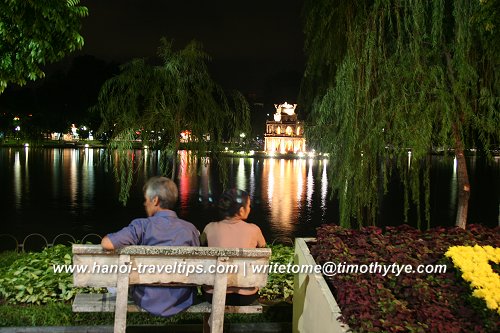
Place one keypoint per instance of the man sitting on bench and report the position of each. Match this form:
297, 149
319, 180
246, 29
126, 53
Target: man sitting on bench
162, 227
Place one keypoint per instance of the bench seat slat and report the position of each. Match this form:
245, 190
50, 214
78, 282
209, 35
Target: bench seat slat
106, 303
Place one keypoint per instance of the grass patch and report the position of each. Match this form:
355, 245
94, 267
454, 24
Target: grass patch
60, 314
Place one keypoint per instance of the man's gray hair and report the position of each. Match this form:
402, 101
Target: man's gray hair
163, 188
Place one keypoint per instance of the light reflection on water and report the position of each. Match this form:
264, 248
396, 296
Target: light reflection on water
88, 177
68, 190
283, 193
310, 183
73, 179
324, 186
17, 180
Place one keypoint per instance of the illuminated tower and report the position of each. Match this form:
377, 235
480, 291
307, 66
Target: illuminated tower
285, 134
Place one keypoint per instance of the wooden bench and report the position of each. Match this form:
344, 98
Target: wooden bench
236, 273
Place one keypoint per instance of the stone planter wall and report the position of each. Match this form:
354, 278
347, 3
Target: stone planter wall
314, 307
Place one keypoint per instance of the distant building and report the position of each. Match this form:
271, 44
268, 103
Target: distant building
285, 134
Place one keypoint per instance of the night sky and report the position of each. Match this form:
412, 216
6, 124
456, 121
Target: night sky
255, 46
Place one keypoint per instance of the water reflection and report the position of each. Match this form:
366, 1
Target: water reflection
324, 186
310, 183
284, 187
184, 180
241, 181
300, 183
251, 186
17, 180
269, 176
195, 181
88, 178
58, 188
205, 193
26, 170
55, 172
72, 156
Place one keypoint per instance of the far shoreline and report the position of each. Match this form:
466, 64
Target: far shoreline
236, 152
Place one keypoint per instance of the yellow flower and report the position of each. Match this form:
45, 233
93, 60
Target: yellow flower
476, 269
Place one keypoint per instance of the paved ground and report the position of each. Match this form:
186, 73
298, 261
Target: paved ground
186, 328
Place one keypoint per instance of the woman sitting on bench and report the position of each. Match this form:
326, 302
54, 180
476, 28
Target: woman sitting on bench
233, 231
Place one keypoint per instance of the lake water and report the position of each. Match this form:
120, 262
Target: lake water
53, 191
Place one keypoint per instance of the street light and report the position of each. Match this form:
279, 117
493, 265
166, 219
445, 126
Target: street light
242, 139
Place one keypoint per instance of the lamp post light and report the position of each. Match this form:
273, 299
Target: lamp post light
242, 139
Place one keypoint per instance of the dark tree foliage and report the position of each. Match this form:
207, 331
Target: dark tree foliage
33, 33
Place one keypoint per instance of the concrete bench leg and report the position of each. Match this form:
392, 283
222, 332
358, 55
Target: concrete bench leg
219, 299
122, 297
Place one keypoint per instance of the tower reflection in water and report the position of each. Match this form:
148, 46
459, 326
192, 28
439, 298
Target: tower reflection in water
288, 189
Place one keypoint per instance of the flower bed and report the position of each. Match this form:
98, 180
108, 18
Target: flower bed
440, 302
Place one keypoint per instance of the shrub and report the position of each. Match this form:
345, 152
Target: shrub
279, 286
31, 278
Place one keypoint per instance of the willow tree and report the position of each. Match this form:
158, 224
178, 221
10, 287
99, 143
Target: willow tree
409, 76
160, 102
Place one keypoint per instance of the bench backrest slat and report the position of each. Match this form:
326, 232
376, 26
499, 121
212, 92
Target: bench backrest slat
178, 265
173, 250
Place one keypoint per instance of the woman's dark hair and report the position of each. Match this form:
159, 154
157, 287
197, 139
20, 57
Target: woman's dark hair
231, 201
